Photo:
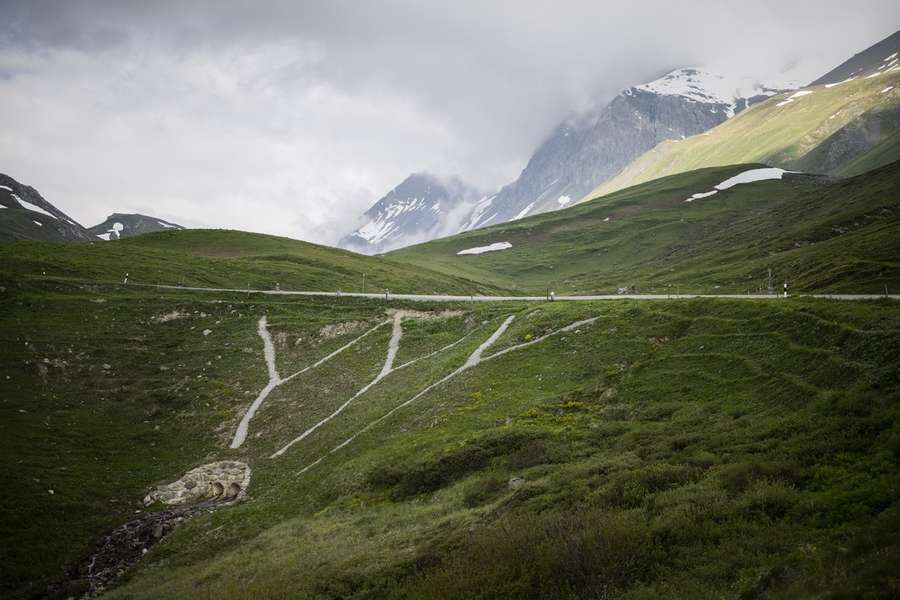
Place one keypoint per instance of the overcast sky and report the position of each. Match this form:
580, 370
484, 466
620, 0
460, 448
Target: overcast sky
293, 117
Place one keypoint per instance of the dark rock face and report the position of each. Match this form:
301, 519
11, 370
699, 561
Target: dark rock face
422, 207
589, 149
880, 58
852, 140
118, 226
27, 216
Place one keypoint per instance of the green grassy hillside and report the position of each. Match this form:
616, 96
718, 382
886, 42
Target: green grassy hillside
681, 449
820, 235
218, 258
853, 116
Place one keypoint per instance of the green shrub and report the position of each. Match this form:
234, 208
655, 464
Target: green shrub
579, 553
483, 491
738, 477
432, 475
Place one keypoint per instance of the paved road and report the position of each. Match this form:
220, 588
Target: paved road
449, 298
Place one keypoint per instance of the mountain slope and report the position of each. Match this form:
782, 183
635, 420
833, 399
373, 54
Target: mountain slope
816, 129
422, 207
679, 233
25, 215
589, 149
650, 452
118, 226
883, 153
881, 57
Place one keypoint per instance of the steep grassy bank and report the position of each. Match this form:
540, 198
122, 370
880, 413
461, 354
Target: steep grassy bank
696, 448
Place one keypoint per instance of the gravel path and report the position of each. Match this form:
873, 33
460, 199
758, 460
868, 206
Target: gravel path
473, 360
586, 298
274, 380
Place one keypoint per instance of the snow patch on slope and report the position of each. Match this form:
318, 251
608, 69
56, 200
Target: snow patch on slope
794, 96
750, 176
753, 175
32, 207
489, 248
523, 212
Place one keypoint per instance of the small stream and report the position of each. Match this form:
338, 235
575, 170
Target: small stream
121, 548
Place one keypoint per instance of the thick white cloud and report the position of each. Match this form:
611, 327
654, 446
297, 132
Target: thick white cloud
291, 118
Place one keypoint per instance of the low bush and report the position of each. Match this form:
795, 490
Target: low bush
578, 553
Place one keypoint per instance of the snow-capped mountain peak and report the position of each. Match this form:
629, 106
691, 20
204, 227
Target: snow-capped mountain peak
422, 207
705, 86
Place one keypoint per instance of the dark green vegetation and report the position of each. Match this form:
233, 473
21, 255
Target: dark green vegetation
680, 449
217, 258
821, 235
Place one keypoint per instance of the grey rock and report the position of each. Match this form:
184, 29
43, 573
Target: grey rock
516, 483
586, 150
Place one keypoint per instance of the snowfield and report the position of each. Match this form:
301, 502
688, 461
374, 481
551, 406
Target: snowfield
32, 207
794, 96
703, 86
700, 195
489, 248
750, 176
753, 175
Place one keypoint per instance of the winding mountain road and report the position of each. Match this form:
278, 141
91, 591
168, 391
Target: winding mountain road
478, 298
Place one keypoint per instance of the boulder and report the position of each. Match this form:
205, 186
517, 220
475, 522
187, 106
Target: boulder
223, 480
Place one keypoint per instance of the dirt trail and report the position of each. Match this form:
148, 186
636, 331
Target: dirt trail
387, 368
473, 360
274, 380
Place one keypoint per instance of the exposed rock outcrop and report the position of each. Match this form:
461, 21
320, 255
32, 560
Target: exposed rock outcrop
224, 480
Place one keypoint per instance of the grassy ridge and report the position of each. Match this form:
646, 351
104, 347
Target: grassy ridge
821, 235
218, 258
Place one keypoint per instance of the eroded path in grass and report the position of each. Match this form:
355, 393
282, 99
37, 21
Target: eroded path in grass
473, 360
275, 380
386, 369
